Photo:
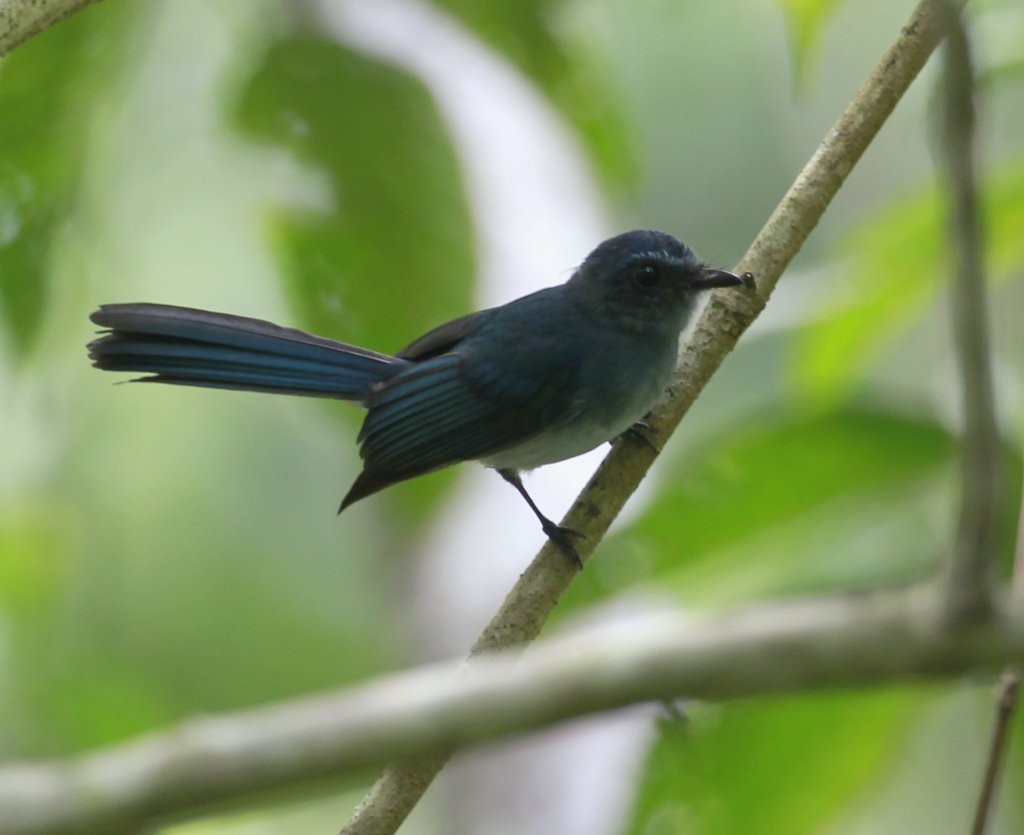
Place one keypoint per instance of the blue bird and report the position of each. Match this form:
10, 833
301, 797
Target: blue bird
538, 380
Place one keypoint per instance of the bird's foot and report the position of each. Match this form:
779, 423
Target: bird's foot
563, 538
645, 433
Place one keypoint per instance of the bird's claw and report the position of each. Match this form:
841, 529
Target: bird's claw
645, 433
562, 537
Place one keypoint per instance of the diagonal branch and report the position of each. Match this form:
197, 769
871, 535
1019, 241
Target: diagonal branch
23, 19
847, 641
528, 605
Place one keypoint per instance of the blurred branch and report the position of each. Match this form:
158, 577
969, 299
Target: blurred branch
970, 579
970, 583
1006, 703
728, 315
1017, 582
22, 19
784, 647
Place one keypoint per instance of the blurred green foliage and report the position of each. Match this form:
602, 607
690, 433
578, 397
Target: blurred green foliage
782, 475
45, 88
895, 272
360, 270
165, 553
394, 184
532, 35
775, 765
806, 21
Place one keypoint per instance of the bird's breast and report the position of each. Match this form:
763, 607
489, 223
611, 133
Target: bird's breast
614, 388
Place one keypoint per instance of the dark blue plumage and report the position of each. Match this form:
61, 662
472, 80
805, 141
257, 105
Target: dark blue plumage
198, 348
540, 379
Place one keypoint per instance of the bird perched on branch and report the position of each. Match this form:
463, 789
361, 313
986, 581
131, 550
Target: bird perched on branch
538, 380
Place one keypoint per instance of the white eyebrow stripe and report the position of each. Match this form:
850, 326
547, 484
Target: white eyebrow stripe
658, 255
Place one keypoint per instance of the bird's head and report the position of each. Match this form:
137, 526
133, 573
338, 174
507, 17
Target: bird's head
645, 280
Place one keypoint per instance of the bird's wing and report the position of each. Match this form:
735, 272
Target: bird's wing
450, 409
444, 338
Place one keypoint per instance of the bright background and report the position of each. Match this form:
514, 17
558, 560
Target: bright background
366, 170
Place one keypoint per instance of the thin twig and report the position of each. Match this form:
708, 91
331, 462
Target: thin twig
970, 576
1017, 582
1006, 703
528, 605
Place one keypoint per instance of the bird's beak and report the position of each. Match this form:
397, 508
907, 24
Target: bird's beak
710, 277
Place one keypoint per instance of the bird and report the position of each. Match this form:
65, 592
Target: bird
541, 379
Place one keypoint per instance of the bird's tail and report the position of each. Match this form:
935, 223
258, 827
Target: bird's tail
189, 347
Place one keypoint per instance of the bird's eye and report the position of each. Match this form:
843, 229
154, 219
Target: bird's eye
646, 275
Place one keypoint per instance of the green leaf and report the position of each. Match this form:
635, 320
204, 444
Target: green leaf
37, 544
47, 87
898, 263
748, 484
771, 766
573, 77
805, 20
101, 700
394, 254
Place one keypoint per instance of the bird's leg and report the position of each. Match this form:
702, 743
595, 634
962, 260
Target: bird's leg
560, 535
643, 432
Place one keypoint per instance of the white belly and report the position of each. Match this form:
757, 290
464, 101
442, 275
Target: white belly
590, 426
